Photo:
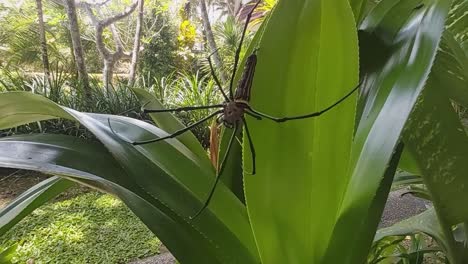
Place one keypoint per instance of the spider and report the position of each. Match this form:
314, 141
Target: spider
231, 113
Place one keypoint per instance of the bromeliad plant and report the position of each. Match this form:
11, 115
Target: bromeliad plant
321, 184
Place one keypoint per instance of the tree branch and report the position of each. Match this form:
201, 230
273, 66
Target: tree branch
110, 20
109, 57
136, 43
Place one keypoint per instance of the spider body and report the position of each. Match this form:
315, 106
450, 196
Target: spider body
235, 106
245, 84
233, 113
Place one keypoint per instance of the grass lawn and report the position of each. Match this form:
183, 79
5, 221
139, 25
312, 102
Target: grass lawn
89, 228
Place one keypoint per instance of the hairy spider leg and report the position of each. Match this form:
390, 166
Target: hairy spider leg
218, 174
216, 77
231, 98
252, 148
173, 135
315, 114
184, 108
252, 114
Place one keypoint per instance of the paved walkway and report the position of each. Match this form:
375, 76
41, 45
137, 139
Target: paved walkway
399, 208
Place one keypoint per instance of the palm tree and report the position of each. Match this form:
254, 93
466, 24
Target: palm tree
45, 57
210, 38
227, 7
77, 47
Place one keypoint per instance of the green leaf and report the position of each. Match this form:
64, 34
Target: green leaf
169, 123
306, 62
425, 222
358, 7
232, 175
457, 21
405, 179
440, 145
7, 254
412, 33
13, 115
159, 171
408, 163
83, 162
438, 141
451, 68
30, 200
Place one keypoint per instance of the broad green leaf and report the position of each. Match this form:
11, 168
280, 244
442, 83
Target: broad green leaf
412, 32
408, 162
30, 200
163, 169
418, 191
440, 145
78, 160
14, 114
232, 175
169, 123
425, 222
306, 62
358, 7
7, 254
386, 246
451, 65
457, 22
451, 68
82, 162
405, 179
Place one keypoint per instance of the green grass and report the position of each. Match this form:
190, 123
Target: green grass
90, 228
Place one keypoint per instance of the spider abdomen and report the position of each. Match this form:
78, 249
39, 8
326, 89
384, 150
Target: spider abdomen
245, 83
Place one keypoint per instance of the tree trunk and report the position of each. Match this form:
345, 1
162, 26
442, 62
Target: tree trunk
78, 48
211, 41
109, 58
45, 57
72, 65
108, 73
136, 44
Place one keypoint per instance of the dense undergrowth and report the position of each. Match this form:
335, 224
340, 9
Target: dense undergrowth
175, 90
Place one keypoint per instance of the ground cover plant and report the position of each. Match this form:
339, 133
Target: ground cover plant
75, 231
321, 185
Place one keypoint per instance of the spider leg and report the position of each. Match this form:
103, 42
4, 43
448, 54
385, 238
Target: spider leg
128, 110
173, 135
219, 120
238, 51
218, 174
252, 148
315, 114
253, 115
180, 109
216, 77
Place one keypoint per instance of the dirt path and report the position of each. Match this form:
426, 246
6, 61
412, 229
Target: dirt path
14, 182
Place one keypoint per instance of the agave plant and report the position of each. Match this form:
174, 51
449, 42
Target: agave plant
321, 184
7, 254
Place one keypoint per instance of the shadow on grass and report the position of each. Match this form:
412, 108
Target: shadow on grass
90, 228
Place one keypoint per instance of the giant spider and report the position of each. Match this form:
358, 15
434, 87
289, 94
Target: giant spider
231, 112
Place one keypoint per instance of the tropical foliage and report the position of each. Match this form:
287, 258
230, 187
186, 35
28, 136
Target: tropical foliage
322, 183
